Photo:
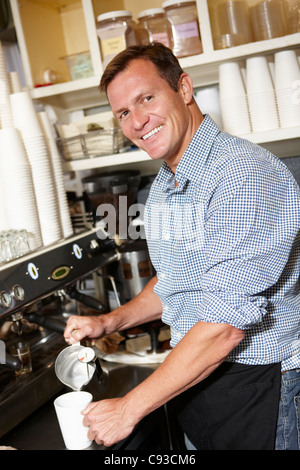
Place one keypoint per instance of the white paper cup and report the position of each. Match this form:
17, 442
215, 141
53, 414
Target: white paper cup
68, 409
287, 70
24, 115
288, 102
230, 80
12, 152
258, 75
263, 111
235, 115
208, 100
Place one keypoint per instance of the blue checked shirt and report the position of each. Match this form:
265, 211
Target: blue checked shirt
225, 245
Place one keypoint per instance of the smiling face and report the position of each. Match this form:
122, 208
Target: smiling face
151, 114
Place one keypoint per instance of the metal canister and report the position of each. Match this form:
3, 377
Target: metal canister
136, 268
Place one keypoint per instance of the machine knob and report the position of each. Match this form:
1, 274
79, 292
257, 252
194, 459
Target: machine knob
101, 246
94, 246
17, 292
5, 299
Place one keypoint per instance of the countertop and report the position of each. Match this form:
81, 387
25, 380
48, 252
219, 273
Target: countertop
40, 431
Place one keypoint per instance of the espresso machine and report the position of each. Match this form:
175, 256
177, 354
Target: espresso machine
35, 294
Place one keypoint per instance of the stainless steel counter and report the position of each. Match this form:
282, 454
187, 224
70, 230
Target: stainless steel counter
40, 431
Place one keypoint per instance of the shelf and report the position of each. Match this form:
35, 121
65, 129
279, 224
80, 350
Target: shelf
135, 156
203, 69
282, 142
77, 94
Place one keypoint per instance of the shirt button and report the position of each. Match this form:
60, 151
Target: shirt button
163, 275
167, 236
166, 308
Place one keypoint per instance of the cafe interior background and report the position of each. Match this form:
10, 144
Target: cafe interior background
62, 155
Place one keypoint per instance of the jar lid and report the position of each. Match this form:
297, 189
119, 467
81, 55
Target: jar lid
170, 3
150, 12
114, 14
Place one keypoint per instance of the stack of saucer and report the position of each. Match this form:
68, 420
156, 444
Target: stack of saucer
25, 119
287, 80
5, 108
233, 99
59, 184
17, 186
261, 95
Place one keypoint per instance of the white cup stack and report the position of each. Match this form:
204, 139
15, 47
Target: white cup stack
287, 86
261, 95
5, 107
17, 186
25, 119
233, 99
15, 83
65, 218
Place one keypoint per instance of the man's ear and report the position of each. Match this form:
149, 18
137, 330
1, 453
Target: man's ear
186, 87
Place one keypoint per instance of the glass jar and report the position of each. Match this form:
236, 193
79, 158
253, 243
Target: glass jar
152, 27
182, 20
116, 31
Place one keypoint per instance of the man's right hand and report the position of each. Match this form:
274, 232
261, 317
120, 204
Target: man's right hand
79, 327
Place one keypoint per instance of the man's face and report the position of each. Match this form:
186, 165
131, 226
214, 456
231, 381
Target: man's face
151, 114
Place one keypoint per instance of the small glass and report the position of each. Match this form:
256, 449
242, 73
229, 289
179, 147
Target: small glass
21, 350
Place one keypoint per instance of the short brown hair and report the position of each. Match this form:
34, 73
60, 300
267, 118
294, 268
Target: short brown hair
161, 56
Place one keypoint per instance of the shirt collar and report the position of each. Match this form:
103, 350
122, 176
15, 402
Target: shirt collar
193, 160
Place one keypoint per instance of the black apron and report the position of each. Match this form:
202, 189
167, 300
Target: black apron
235, 408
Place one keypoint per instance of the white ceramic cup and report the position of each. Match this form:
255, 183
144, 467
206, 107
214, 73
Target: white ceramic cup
68, 409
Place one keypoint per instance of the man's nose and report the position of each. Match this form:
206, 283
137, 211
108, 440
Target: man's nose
139, 118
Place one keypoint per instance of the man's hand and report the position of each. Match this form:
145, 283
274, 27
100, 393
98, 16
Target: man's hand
109, 421
79, 327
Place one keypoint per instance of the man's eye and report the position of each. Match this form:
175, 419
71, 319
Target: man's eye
148, 98
124, 114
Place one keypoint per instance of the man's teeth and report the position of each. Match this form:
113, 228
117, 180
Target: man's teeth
151, 133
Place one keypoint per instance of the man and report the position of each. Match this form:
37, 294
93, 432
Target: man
222, 226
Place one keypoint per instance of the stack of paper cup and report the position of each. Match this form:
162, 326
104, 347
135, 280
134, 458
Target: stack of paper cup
26, 120
65, 217
17, 186
261, 95
5, 108
233, 99
287, 86
15, 83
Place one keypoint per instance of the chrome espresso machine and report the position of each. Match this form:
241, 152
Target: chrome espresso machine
38, 293
32, 308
